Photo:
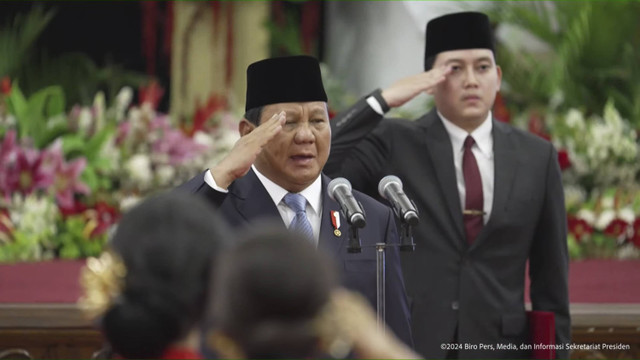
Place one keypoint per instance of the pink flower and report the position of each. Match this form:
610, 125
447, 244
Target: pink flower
67, 182
174, 143
24, 173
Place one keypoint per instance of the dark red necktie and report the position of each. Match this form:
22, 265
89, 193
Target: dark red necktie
473, 209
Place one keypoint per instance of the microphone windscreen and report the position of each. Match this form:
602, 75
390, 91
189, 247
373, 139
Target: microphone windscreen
336, 183
389, 179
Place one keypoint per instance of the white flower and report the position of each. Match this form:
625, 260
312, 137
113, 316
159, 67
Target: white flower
605, 218
587, 215
165, 173
574, 195
203, 138
85, 119
128, 202
99, 108
575, 120
123, 99
607, 202
138, 167
627, 214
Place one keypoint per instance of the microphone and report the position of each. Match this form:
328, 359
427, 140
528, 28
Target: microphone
390, 188
340, 191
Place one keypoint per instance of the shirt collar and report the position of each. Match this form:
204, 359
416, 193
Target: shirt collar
481, 135
313, 192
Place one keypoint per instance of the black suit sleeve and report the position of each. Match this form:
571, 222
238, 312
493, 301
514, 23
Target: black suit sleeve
197, 185
356, 152
549, 260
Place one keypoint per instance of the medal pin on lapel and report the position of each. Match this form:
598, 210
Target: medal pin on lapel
335, 220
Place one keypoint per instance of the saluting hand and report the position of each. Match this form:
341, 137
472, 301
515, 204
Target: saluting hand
238, 161
407, 88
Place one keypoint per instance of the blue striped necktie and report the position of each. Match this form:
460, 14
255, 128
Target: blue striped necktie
300, 222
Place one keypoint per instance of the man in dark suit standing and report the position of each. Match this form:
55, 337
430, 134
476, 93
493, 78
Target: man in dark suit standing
274, 171
490, 199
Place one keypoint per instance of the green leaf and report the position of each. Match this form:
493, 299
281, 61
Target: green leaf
72, 144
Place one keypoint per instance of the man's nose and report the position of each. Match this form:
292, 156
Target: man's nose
470, 77
304, 133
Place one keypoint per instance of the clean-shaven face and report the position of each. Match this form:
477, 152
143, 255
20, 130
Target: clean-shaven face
296, 156
468, 93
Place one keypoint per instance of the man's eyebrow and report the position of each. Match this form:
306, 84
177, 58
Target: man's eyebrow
484, 58
317, 111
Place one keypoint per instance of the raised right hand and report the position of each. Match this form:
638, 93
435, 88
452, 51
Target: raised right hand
407, 88
239, 159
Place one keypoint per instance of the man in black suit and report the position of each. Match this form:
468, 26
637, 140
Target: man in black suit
490, 198
274, 171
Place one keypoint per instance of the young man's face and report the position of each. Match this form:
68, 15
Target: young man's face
296, 156
468, 93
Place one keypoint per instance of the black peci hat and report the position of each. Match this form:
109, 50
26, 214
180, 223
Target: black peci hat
284, 79
463, 30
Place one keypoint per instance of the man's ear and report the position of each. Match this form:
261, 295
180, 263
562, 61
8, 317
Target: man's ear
245, 127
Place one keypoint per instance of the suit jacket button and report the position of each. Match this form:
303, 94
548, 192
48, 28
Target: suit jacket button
455, 305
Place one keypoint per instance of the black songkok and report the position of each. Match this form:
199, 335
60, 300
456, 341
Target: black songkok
463, 30
284, 79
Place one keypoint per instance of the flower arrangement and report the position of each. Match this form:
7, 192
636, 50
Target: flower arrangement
66, 177
600, 161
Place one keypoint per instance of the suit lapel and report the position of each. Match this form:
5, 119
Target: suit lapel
328, 240
439, 148
505, 168
252, 199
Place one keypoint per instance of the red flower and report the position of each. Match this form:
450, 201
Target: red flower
105, 216
537, 125
616, 228
151, 94
99, 217
563, 159
500, 111
76, 208
635, 239
203, 113
5, 86
579, 228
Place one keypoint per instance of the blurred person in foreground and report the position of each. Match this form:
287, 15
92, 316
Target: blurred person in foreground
275, 297
274, 172
148, 292
489, 195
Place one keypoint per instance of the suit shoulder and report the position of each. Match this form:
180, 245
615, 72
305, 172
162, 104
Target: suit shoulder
526, 139
397, 124
370, 204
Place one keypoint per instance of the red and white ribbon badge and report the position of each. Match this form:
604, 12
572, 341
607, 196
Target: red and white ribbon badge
335, 220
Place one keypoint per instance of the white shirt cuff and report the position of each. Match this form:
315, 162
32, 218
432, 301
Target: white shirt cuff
375, 105
208, 178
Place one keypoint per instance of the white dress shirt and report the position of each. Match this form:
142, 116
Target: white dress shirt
483, 152
313, 194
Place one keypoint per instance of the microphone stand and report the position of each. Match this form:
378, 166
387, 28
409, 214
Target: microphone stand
407, 245
354, 240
